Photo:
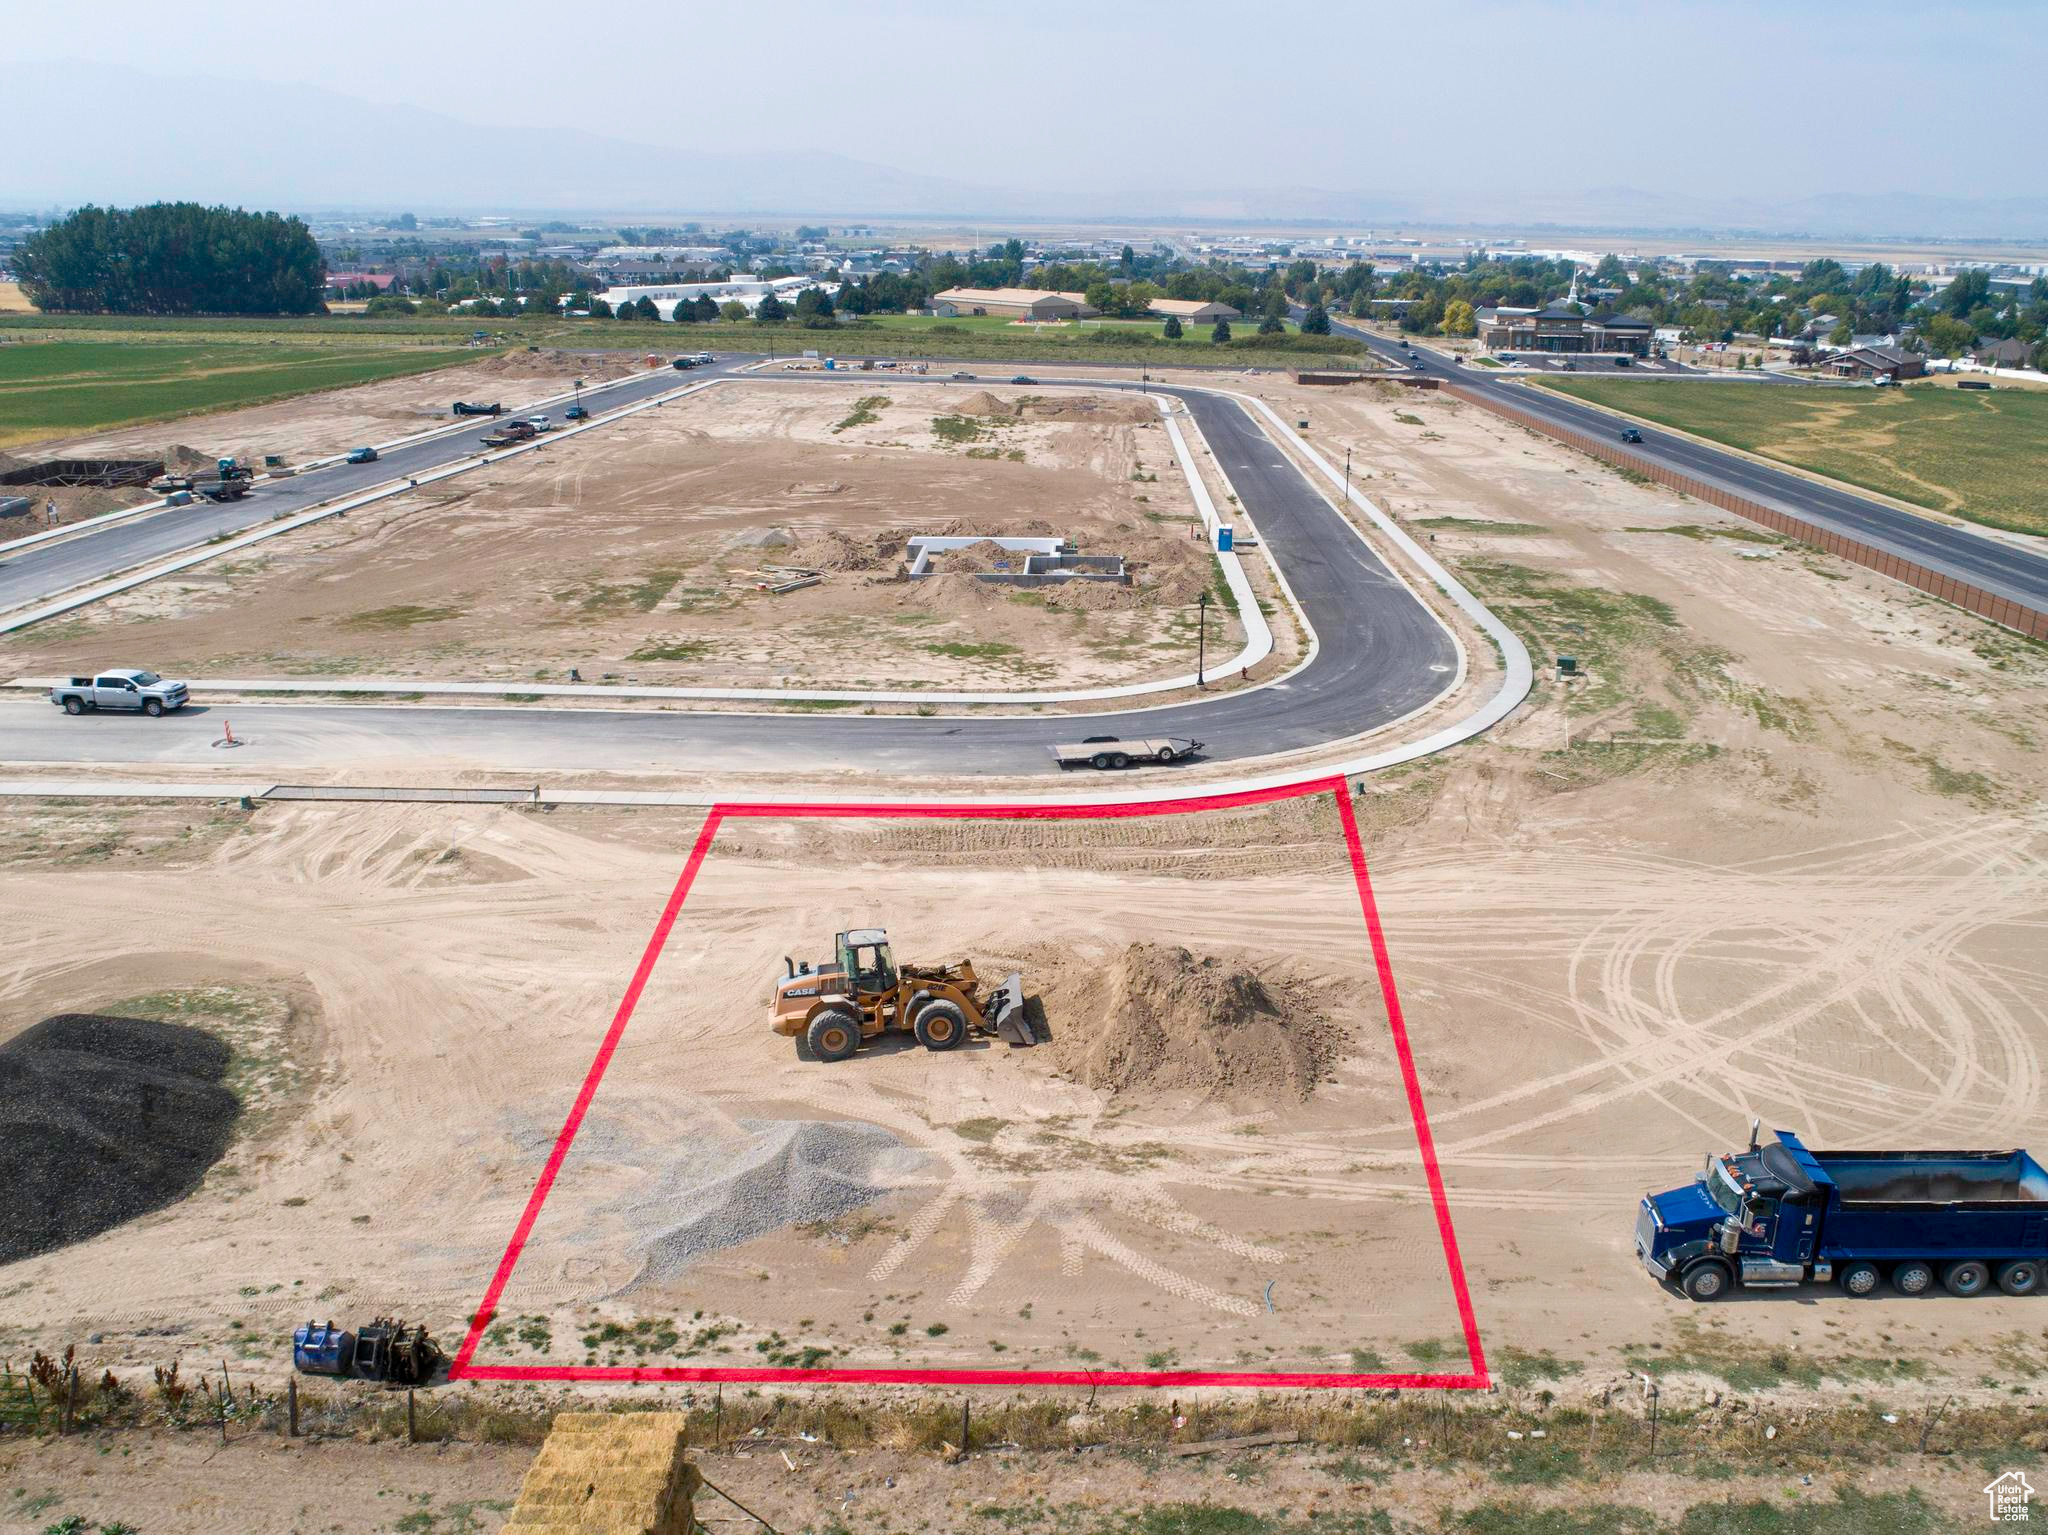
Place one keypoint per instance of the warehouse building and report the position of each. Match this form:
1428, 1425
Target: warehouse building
1194, 311
1011, 303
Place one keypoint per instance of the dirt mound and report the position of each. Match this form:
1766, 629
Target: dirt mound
1159, 1019
982, 403
881, 551
978, 558
180, 459
104, 1119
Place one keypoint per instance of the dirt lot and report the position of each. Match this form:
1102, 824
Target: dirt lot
638, 554
1779, 853
309, 426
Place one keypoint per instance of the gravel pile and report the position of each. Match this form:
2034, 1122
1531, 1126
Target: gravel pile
104, 1119
716, 1195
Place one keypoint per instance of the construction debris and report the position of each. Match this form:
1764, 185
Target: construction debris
606, 1473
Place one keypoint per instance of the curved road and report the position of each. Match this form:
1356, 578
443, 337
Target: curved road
1968, 556
1381, 655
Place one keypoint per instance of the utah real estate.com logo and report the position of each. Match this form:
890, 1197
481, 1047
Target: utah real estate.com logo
2010, 1496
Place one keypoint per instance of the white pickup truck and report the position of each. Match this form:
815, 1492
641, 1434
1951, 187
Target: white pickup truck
124, 688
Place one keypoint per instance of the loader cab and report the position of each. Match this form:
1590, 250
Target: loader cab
865, 961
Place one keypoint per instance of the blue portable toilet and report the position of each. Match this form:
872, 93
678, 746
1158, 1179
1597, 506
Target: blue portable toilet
1223, 538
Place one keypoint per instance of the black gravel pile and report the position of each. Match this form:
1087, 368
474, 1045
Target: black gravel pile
101, 1120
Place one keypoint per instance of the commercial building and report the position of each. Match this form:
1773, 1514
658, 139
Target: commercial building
1011, 303
745, 290
1562, 327
1194, 311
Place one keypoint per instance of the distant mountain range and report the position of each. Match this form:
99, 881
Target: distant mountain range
258, 143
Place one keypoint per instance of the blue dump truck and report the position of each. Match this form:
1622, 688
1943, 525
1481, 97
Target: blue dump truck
1779, 1215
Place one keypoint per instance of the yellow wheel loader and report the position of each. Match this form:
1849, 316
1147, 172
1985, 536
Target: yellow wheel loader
834, 1007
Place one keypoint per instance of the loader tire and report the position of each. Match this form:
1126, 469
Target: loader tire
940, 1025
833, 1035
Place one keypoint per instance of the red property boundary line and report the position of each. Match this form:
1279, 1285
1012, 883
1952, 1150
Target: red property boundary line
1472, 1379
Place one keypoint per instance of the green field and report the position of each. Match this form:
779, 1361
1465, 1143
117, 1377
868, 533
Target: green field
62, 388
1135, 342
1978, 455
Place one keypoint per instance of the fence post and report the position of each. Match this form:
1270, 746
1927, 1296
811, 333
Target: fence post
291, 1406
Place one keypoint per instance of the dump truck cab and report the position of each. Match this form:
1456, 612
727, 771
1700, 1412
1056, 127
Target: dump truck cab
835, 1006
1780, 1215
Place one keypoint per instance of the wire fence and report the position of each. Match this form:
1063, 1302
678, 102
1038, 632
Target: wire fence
2032, 622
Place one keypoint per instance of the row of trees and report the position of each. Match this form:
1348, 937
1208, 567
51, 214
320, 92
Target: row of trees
173, 258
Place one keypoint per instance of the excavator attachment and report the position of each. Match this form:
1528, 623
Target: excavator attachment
1006, 1015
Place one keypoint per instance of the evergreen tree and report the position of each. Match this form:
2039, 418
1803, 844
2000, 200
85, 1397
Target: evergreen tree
1317, 321
1222, 331
770, 310
1171, 330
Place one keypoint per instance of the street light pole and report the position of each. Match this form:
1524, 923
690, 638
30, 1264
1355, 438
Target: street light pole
1202, 642
1347, 476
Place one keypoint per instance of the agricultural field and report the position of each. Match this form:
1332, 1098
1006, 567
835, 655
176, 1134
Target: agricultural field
1982, 456
980, 338
60, 388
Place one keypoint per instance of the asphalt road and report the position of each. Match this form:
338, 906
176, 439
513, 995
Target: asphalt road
1381, 655
1959, 552
93, 555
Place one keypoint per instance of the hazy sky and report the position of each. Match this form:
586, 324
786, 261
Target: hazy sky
1756, 98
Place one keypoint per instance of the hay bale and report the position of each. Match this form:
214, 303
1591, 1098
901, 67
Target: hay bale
606, 1473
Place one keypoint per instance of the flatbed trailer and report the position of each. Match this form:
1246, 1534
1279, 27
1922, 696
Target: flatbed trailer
1108, 753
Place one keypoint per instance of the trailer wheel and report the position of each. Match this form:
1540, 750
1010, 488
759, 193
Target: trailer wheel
1913, 1277
1965, 1277
833, 1035
940, 1025
1119, 760
74, 705
1860, 1279
1705, 1281
2022, 1276
1100, 760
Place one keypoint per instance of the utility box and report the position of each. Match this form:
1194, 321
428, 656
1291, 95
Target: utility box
1567, 666
1224, 539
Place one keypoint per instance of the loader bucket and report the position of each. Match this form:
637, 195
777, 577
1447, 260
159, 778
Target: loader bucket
1005, 1012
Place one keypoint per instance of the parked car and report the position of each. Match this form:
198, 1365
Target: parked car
1630, 434
124, 689
362, 455
541, 423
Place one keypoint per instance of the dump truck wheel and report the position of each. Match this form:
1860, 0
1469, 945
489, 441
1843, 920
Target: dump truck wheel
1966, 1278
1860, 1279
2022, 1276
940, 1025
1913, 1277
833, 1035
1705, 1281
